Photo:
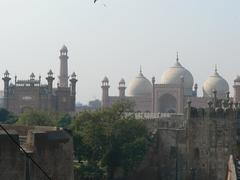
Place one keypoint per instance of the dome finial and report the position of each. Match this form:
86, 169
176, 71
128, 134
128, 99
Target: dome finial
140, 72
177, 57
216, 70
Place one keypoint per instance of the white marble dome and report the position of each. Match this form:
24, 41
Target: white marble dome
140, 86
215, 82
175, 75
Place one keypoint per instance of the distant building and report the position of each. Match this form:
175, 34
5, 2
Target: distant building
171, 93
92, 106
95, 104
32, 94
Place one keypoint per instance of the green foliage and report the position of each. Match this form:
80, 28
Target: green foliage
64, 121
88, 136
89, 172
7, 117
36, 118
130, 142
110, 140
95, 104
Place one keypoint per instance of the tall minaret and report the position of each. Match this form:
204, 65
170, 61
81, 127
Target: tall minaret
6, 80
122, 88
50, 80
105, 92
63, 77
236, 88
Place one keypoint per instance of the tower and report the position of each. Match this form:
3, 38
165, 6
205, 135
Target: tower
122, 88
50, 79
195, 90
6, 80
153, 94
32, 78
63, 77
73, 81
236, 88
105, 92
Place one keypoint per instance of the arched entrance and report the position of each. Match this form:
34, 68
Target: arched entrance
167, 104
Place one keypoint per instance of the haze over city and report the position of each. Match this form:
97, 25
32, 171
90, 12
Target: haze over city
114, 37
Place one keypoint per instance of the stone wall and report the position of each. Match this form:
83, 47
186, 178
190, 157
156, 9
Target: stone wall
12, 161
51, 148
211, 139
195, 145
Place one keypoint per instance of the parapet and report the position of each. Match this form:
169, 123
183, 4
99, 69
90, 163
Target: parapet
219, 109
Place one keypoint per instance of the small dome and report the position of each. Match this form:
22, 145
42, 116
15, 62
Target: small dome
237, 79
122, 81
6, 73
73, 75
176, 74
140, 86
50, 73
64, 49
215, 82
105, 79
32, 75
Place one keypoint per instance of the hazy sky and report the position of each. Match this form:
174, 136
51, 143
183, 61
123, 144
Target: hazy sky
114, 40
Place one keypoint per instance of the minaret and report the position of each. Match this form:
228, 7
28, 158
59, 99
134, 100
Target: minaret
122, 88
63, 77
153, 94
6, 80
73, 81
105, 92
236, 88
195, 89
50, 79
32, 78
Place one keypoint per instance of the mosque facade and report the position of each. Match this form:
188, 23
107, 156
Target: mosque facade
171, 94
32, 94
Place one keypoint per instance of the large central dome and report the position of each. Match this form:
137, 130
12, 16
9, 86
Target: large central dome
140, 86
174, 75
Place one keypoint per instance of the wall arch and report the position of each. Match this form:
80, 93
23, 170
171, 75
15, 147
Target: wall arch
167, 104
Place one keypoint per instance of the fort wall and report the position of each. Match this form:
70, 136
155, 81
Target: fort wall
50, 147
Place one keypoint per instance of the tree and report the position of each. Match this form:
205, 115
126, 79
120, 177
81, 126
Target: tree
129, 143
95, 104
110, 140
36, 118
64, 121
7, 117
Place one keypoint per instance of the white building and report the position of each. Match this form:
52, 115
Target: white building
175, 88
